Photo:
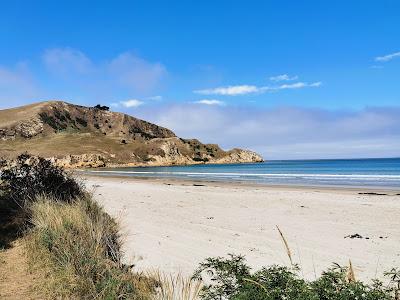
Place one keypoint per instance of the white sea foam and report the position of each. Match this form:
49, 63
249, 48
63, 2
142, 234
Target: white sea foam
283, 175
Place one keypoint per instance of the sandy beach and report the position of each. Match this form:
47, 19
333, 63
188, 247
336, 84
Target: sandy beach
173, 225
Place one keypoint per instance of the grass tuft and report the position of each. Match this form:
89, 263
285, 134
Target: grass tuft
174, 287
78, 246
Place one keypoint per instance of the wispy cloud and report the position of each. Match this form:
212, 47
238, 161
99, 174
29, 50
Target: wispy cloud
252, 89
297, 85
387, 57
283, 77
155, 98
131, 103
232, 90
67, 60
126, 71
137, 73
210, 102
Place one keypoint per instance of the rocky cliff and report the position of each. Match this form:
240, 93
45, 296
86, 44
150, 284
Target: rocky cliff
76, 136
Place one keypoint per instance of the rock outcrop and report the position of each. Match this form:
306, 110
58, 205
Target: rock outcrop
81, 137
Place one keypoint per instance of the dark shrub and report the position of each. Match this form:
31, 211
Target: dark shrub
205, 159
81, 122
22, 180
54, 123
29, 176
102, 107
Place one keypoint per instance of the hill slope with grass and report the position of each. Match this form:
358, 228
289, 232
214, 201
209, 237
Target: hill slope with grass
78, 136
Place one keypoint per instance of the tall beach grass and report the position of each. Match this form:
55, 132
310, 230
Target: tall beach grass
78, 247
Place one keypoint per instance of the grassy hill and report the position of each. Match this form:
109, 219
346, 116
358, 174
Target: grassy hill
76, 136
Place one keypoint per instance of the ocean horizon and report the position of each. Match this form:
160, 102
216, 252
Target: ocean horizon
356, 172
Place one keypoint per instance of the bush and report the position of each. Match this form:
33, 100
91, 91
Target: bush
230, 278
78, 246
102, 107
334, 285
29, 177
21, 181
205, 159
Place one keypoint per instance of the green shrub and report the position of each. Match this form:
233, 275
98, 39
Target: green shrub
230, 278
334, 285
227, 275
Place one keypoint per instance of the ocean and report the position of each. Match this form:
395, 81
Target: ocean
378, 173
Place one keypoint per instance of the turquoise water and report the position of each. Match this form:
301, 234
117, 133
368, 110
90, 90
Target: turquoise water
383, 172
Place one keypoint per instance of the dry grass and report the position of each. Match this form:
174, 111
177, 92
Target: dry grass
77, 246
350, 276
176, 287
286, 244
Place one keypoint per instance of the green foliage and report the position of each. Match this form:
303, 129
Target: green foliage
227, 275
334, 285
230, 278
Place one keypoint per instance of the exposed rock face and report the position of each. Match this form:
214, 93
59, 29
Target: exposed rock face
26, 129
80, 161
239, 155
29, 128
79, 137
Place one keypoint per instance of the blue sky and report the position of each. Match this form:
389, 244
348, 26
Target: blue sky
221, 66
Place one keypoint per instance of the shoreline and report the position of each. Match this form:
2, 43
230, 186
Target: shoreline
172, 225
234, 183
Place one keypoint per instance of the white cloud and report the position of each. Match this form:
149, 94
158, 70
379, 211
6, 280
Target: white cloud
251, 89
283, 77
232, 90
210, 102
316, 84
316, 133
131, 103
65, 60
137, 73
297, 85
388, 57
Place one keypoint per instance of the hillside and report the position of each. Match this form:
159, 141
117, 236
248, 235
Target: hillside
78, 136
